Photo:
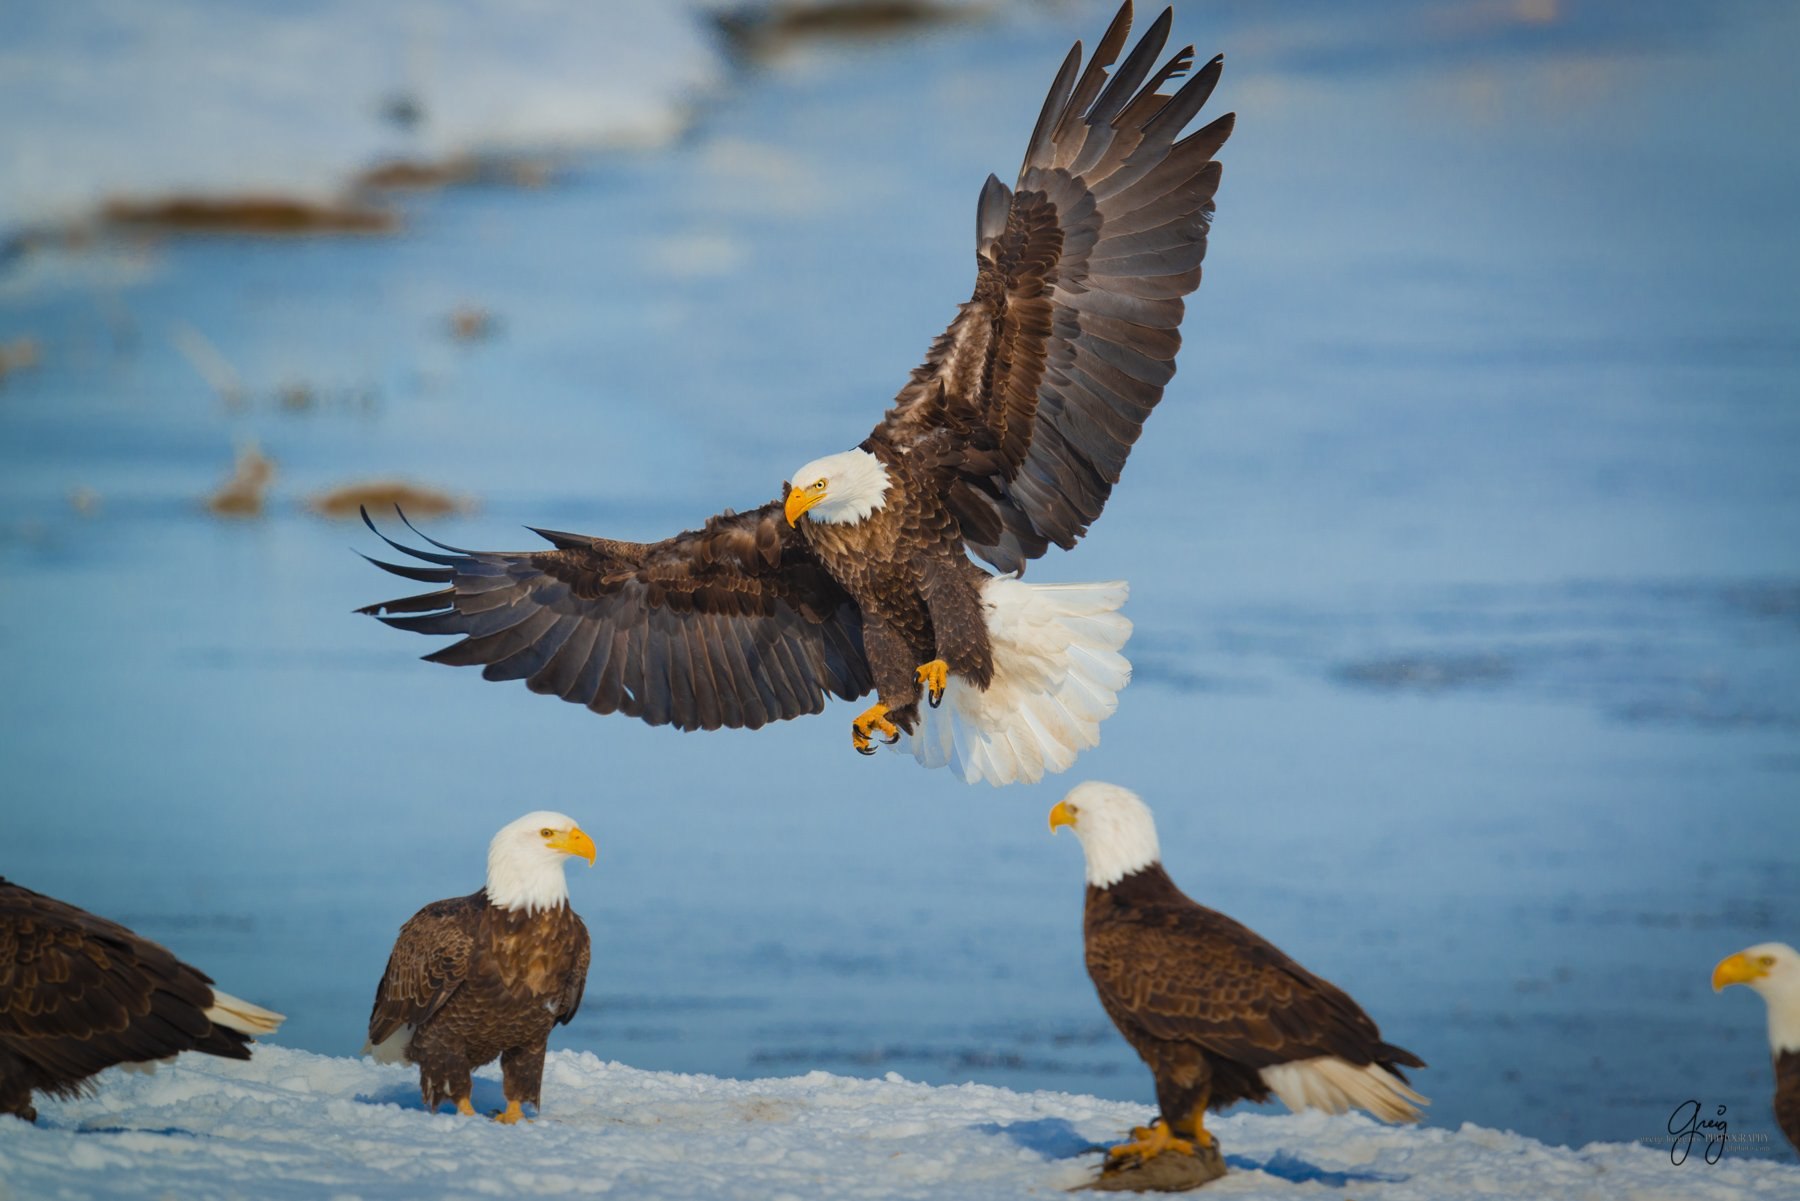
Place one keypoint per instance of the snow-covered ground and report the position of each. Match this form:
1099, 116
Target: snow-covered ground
294, 1124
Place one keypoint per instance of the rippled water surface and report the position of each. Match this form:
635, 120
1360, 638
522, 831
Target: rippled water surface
1465, 557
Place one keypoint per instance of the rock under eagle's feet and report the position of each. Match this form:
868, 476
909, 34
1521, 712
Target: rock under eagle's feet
873, 718
511, 1115
1150, 1141
465, 1107
934, 676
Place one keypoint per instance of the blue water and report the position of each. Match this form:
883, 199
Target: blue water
1465, 555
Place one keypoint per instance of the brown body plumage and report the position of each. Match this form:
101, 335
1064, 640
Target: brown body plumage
469, 982
1008, 439
1208, 1003
915, 586
490, 974
79, 994
1773, 970
1215, 1010
1787, 1095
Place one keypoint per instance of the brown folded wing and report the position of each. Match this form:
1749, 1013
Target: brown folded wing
79, 993
1180, 971
430, 961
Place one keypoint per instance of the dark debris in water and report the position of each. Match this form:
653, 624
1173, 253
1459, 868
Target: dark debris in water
346, 501
758, 32
1428, 672
261, 216
948, 1058
424, 175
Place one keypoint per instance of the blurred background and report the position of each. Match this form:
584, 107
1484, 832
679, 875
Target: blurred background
1464, 549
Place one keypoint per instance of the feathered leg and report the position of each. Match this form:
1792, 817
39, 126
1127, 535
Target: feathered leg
522, 1075
896, 688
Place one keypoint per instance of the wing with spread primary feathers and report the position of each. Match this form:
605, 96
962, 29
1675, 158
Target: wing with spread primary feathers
735, 624
1037, 391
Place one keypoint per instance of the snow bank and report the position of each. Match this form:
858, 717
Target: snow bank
290, 1124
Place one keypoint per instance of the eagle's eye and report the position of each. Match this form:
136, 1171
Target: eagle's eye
547, 832
1767, 961
819, 484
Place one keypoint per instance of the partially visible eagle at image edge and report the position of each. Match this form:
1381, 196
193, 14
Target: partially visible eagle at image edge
1007, 440
80, 993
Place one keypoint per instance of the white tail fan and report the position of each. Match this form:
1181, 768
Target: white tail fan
1334, 1085
1057, 676
233, 1014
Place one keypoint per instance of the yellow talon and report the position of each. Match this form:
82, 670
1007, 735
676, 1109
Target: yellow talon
935, 675
510, 1115
875, 717
1151, 1141
464, 1107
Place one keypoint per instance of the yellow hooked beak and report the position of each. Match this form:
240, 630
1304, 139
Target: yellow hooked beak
1063, 814
1736, 969
799, 500
574, 841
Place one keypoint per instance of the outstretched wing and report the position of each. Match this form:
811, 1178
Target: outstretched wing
1035, 394
1188, 973
79, 993
430, 961
735, 624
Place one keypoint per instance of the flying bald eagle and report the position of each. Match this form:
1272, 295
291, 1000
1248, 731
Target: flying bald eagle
1773, 969
79, 994
1217, 1012
489, 974
1007, 440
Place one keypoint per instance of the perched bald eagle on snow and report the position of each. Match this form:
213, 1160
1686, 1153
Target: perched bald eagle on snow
489, 974
1008, 439
1773, 969
79, 994
1218, 1012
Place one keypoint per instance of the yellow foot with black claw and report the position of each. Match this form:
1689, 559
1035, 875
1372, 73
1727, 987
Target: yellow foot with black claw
873, 718
934, 676
464, 1107
511, 1115
1150, 1141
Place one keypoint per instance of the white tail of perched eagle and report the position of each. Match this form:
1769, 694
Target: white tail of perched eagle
234, 1013
1057, 676
1337, 1085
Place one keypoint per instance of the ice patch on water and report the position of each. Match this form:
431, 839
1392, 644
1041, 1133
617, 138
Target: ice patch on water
117, 98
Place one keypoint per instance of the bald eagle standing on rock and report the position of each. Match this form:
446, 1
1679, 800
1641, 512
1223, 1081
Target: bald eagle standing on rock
1773, 969
1007, 440
1217, 1012
489, 974
79, 994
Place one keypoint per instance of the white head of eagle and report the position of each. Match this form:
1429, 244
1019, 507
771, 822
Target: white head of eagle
1772, 969
842, 488
1117, 833
525, 861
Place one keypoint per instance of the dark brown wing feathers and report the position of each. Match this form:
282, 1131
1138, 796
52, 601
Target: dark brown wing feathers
1787, 1095
1171, 969
429, 963
79, 993
1045, 378
735, 624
